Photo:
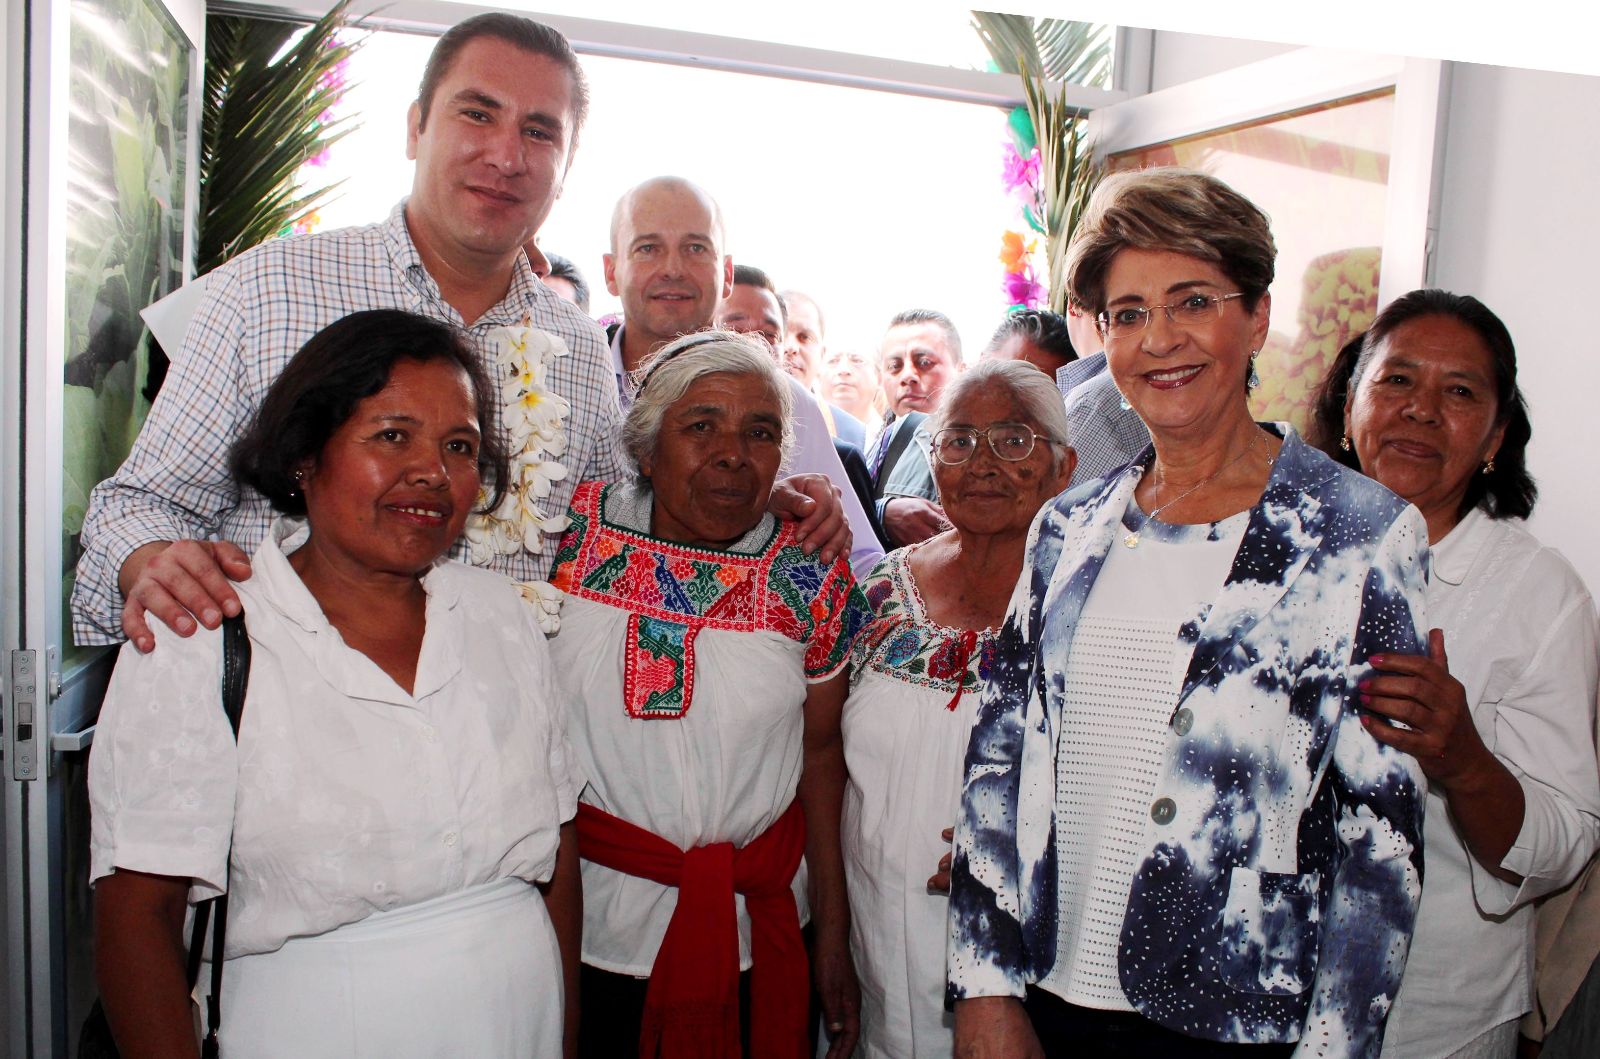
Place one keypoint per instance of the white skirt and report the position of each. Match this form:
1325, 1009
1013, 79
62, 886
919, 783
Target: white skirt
473, 973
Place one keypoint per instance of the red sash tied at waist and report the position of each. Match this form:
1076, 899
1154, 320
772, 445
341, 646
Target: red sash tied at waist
691, 1006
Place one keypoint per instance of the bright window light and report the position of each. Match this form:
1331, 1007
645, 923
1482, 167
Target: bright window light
870, 202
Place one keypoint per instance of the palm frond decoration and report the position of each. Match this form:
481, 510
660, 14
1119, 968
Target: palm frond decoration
1040, 52
265, 112
1055, 49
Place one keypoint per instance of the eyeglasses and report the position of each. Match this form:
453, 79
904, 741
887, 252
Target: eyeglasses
1128, 320
954, 446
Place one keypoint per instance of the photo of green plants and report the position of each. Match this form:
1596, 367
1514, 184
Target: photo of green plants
127, 135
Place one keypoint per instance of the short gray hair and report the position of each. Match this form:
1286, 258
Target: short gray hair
1031, 390
667, 375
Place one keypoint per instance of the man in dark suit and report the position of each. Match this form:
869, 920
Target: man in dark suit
920, 353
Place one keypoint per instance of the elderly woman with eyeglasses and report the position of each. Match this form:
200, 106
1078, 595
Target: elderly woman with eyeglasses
1176, 837
701, 653
999, 447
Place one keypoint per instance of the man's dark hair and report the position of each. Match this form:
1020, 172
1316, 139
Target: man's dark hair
1509, 490
533, 37
750, 276
564, 268
343, 364
1043, 328
911, 317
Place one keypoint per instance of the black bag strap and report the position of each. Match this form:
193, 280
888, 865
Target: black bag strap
235, 678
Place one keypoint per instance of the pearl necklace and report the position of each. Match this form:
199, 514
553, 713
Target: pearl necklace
1132, 539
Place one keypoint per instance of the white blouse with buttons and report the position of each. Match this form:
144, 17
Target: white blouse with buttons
1123, 675
344, 795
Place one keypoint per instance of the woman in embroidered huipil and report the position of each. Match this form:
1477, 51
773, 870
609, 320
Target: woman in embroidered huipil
1176, 837
999, 447
702, 654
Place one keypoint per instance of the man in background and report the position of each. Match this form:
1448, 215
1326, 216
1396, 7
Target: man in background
804, 349
568, 283
1037, 336
754, 307
1102, 428
668, 265
920, 354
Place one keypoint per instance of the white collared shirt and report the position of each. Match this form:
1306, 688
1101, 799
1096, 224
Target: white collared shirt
344, 795
1522, 637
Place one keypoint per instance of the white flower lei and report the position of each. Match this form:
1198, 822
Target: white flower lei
532, 417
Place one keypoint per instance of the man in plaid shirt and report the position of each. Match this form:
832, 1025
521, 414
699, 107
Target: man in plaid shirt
492, 132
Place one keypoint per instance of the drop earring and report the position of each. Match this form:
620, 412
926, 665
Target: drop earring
1488, 465
1344, 443
1254, 381
1122, 402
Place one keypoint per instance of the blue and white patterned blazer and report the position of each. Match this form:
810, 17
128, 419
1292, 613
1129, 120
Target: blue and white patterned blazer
1277, 902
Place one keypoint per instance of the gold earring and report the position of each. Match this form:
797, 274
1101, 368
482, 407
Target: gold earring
1488, 465
1344, 443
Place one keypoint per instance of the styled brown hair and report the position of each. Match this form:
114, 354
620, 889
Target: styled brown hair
1170, 208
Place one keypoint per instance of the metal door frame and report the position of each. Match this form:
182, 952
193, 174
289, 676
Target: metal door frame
34, 96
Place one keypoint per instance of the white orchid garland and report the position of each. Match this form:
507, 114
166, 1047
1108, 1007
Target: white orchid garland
532, 418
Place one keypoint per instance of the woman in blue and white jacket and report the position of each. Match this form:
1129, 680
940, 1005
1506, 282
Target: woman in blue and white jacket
1176, 836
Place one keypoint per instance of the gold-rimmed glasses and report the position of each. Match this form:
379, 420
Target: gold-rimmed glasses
1011, 442
1194, 309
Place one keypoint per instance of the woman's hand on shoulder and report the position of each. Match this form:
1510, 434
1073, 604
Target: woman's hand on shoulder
1419, 692
995, 1027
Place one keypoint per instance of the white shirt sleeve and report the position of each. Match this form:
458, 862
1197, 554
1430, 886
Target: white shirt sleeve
164, 769
814, 454
565, 775
1543, 733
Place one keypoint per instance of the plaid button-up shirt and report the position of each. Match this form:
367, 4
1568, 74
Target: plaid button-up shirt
1106, 435
259, 309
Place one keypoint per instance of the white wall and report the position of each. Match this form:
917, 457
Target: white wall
1177, 58
1519, 228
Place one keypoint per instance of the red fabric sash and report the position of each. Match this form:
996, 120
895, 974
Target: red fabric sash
691, 1006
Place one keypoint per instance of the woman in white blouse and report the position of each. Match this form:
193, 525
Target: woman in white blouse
1000, 451
400, 782
1500, 711
701, 655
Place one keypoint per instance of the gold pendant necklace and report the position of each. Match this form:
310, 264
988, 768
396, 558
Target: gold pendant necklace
1132, 539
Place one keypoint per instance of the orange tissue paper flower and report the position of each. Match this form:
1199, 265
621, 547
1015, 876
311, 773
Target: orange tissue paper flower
1014, 252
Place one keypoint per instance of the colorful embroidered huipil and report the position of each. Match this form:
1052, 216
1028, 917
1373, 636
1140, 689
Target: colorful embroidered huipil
675, 590
693, 731
914, 691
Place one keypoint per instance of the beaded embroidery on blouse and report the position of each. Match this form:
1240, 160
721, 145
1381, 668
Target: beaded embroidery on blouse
673, 591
